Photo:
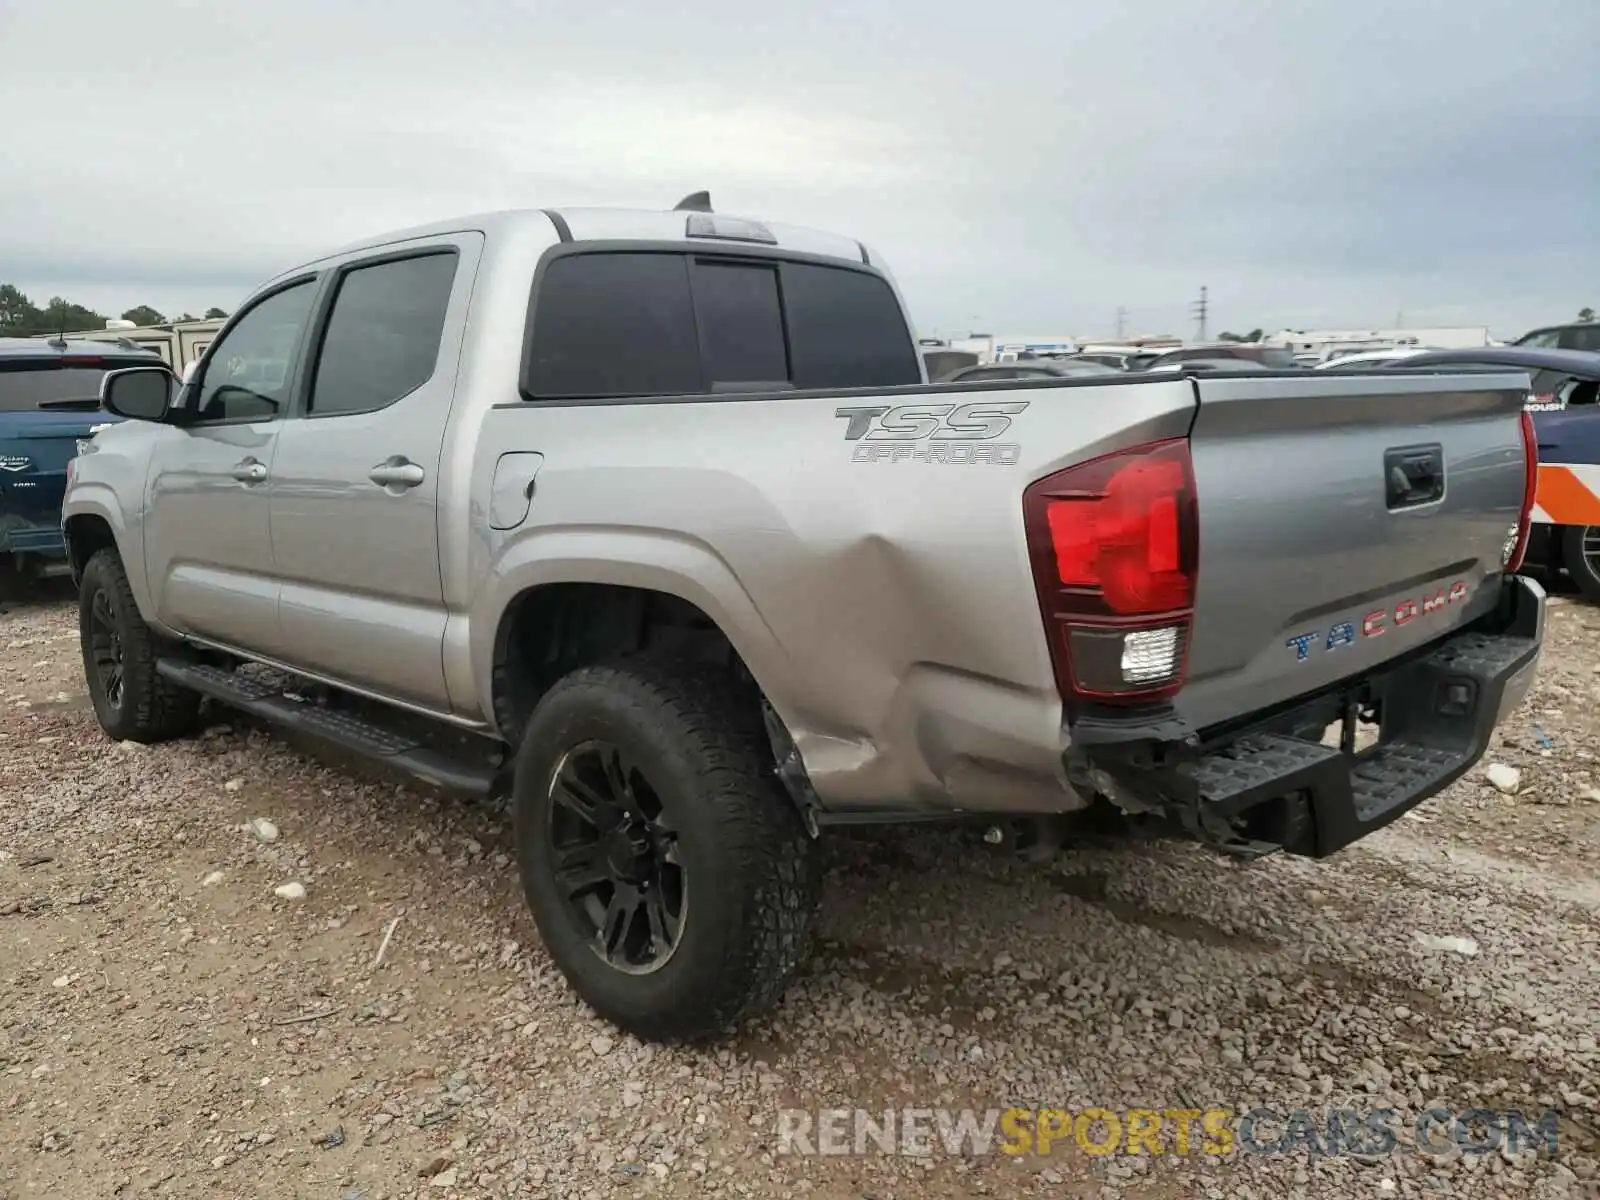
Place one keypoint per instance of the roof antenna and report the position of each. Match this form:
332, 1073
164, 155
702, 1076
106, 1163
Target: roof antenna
694, 202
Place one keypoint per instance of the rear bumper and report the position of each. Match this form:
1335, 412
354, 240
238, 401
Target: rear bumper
1271, 783
20, 535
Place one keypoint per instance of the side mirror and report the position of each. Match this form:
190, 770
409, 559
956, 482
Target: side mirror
138, 393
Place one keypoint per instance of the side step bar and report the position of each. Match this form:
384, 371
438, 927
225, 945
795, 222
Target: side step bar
360, 735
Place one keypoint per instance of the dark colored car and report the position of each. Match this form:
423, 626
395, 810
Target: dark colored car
1582, 336
1564, 399
1132, 360
1031, 368
49, 401
942, 362
1276, 358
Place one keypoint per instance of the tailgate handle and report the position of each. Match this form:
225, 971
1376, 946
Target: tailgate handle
1413, 475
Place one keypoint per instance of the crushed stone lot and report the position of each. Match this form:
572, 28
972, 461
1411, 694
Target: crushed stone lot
175, 1022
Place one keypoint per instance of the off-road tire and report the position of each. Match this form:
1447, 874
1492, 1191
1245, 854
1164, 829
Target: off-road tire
150, 709
1584, 573
752, 873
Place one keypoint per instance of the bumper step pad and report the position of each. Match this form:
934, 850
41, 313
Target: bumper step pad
1264, 791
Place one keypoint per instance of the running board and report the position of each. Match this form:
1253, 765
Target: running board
361, 735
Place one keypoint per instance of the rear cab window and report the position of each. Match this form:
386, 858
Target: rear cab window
612, 324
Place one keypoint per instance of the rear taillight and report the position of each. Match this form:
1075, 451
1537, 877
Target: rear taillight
1518, 542
1114, 544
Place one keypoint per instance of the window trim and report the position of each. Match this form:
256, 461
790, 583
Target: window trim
322, 316
189, 397
692, 249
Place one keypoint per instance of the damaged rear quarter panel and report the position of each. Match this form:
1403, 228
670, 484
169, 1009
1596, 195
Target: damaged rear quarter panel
883, 600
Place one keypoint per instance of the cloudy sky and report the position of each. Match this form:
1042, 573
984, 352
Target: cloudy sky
1024, 166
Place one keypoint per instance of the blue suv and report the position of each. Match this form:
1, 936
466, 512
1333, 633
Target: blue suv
49, 401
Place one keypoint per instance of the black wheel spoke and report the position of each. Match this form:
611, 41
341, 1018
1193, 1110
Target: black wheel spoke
664, 925
616, 923
578, 798
579, 869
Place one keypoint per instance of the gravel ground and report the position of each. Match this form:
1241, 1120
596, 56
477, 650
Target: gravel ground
170, 1025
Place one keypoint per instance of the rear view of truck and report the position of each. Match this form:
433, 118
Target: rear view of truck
1292, 626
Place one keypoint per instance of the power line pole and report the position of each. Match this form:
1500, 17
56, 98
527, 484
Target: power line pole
1199, 310
1122, 321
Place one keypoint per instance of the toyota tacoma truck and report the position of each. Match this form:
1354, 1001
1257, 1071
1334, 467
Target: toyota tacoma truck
652, 522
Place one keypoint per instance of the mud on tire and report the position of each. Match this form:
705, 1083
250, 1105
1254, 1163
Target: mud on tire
132, 702
690, 746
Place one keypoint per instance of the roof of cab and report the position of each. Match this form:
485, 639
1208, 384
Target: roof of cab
612, 224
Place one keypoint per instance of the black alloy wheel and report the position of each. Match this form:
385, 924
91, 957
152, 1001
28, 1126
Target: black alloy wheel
105, 647
614, 857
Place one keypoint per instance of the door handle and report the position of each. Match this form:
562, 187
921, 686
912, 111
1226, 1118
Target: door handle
250, 471
396, 472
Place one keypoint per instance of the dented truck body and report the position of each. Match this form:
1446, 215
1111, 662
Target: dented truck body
636, 515
867, 551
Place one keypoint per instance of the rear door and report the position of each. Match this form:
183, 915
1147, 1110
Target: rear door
355, 487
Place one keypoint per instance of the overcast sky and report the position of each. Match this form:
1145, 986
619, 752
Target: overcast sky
1024, 166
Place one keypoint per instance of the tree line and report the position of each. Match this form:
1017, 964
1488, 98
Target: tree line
20, 317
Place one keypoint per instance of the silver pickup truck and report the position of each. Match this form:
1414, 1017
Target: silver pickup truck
651, 520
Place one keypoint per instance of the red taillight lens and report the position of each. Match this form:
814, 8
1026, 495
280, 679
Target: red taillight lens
1530, 490
1114, 544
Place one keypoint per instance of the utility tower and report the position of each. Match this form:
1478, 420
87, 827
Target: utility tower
1198, 308
1122, 322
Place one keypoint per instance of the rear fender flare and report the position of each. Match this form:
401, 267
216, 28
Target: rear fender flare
678, 566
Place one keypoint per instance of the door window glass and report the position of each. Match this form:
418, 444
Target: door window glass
383, 336
247, 377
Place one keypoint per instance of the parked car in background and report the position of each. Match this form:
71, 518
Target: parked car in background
1056, 368
1209, 364
1131, 359
1276, 357
49, 402
1362, 360
1583, 335
943, 362
1564, 398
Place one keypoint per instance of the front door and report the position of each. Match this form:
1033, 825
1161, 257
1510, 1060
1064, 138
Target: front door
207, 540
356, 484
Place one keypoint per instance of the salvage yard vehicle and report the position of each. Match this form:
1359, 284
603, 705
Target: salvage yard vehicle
49, 403
653, 520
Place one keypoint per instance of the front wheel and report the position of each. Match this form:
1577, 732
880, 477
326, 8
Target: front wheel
671, 879
131, 700
1580, 551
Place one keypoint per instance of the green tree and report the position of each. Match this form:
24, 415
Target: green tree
18, 316
1586, 315
63, 315
216, 314
1255, 335
181, 317
144, 315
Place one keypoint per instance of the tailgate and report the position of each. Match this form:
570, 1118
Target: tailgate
1344, 520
